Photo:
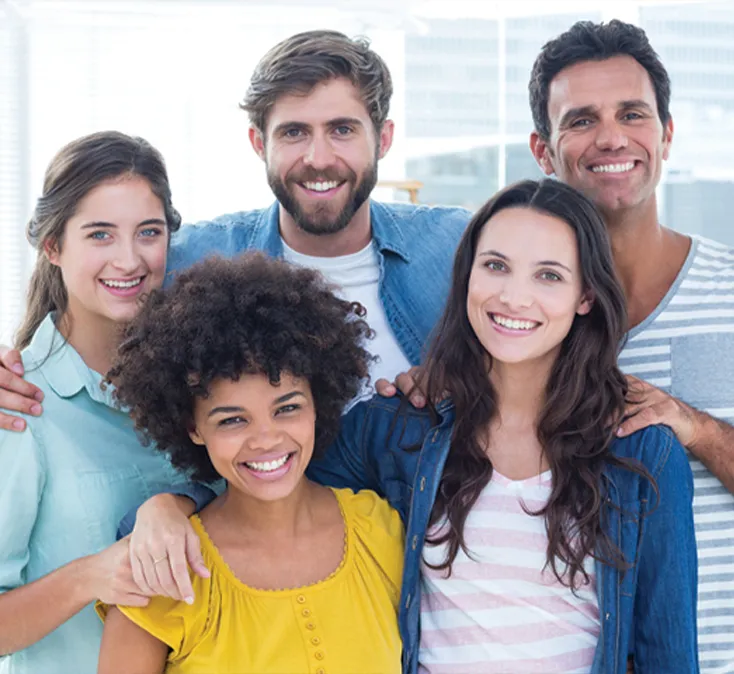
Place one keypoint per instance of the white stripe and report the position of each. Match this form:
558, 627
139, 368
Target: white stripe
682, 331
699, 315
638, 368
632, 351
683, 299
707, 285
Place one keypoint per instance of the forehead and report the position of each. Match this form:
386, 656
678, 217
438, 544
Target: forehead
526, 234
119, 200
600, 84
327, 100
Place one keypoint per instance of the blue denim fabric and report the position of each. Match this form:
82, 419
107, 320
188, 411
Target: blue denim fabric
396, 451
415, 244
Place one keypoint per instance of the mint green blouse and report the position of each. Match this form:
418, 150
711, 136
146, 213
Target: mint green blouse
65, 483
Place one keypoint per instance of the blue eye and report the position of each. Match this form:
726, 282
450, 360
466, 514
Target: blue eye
99, 235
150, 232
343, 130
550, 276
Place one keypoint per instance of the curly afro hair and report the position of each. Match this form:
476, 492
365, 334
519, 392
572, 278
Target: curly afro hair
225, 318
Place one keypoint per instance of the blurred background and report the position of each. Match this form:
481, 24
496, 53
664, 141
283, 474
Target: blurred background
174, 72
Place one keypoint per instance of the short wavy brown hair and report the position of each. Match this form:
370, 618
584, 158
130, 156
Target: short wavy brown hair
225, 318
297, 64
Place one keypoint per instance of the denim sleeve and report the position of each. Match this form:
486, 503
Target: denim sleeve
22, 481
200, 494
343, 464
665, 635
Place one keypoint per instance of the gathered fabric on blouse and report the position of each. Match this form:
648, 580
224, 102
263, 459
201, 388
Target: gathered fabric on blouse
344, 623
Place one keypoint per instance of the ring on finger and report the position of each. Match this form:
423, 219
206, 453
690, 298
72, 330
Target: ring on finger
161, 559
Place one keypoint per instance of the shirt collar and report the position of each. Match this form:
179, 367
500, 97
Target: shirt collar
62, 367
386, 231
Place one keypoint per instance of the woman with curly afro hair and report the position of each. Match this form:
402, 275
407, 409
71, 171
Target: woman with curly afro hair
241, 370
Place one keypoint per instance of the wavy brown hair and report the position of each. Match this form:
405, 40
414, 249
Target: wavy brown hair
585, 393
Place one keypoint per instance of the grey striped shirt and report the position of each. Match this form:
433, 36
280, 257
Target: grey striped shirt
686, 347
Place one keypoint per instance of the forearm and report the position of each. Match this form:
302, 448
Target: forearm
30, 612
713, 445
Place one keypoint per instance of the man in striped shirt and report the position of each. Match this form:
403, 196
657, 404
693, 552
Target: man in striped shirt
599, 97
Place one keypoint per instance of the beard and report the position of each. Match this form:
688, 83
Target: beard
321, 220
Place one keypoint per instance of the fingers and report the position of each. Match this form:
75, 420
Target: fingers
10, 359
17, 395
136, 600
164, 584
139, 575
407, 384
193, 554
648, 416
385, 388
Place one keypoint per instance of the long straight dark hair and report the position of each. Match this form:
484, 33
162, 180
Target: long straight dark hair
77, 168
585, 394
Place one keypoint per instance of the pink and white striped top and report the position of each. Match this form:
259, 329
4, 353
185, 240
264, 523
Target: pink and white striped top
499, 612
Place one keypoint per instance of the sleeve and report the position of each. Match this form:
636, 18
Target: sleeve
381, 531
665, 634
199, 493
343, 464
22, 480
175, 623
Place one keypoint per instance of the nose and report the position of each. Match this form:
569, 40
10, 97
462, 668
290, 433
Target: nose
610, 136
320, 153
264, 436
515, 295
127, 257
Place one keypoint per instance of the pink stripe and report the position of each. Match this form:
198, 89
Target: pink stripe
511, 635
483, 601
500, 538
506, 503
559, 663
471, 571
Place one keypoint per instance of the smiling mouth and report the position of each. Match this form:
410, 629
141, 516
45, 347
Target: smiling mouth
322, 186
622, 167
513, 323
122, 285
269, 466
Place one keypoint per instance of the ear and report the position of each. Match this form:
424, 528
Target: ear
667, 138
257, 141
586, 303
51, 251
195, 436
386, 136
542, 153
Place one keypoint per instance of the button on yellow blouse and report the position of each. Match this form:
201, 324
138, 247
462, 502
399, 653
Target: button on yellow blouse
345, 623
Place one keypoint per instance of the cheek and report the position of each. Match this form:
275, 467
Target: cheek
81, 264
155, 256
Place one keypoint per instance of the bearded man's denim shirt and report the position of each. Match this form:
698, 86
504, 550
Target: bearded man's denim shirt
415, 246
399, 452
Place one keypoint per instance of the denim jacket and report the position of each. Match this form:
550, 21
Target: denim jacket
394, 449
415, 245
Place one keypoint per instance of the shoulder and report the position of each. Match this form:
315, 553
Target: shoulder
713, 256
391, 418
450, 219
657, 448
379, 535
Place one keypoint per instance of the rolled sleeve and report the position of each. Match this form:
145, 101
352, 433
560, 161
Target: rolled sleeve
22, 479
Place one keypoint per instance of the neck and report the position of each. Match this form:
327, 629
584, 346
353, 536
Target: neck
647, 257
353, 238
521, 390
95, 340
285, 517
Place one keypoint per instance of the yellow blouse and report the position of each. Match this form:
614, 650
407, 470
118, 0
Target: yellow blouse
344, 623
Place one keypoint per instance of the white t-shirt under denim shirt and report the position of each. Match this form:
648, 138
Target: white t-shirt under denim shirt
357, 277
686, 347
65, 483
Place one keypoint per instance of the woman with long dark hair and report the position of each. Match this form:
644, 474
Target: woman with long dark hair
537, 541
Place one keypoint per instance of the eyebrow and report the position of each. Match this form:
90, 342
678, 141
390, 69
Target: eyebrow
110, 225
233, 409
541, 263
586, 110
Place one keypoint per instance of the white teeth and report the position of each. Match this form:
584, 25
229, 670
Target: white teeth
513, 324
322, 187
267, 466
614, 168
123, 284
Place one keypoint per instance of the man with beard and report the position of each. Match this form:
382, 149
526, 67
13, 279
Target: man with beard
318, 107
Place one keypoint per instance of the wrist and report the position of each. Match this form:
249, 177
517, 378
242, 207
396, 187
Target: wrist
83, 579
